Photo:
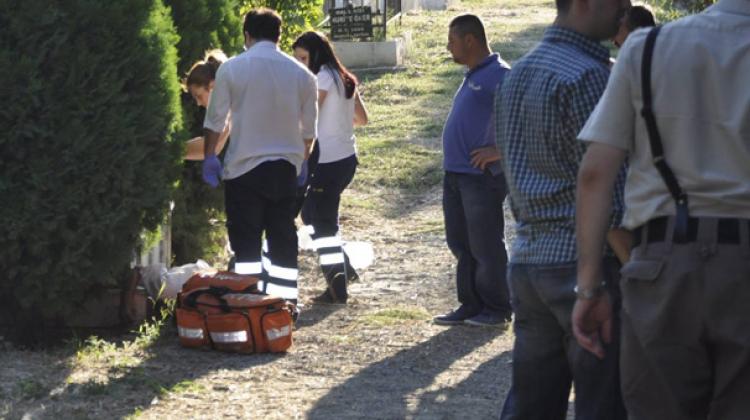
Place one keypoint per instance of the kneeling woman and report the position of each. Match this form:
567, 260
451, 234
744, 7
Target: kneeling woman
340, 109
199, 83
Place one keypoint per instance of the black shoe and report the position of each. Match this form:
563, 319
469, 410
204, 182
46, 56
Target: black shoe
325, 298
351, 273
488, 319
293, 309
295, 313
337, 288
455, 317
352, 278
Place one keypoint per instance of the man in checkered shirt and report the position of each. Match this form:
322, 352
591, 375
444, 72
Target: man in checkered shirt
540, 108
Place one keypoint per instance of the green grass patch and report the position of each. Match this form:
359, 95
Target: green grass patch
31, 389
184, 387
394, 316
95, 348
429, 226
137, 413
95, 388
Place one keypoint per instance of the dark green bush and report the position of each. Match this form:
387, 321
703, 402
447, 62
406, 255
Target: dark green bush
91, 105
668, 10
197, 222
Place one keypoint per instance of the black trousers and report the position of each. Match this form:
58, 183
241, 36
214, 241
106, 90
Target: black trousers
321, 210
302, 188
262, 200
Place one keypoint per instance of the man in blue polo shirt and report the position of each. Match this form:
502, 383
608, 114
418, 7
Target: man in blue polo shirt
474, 187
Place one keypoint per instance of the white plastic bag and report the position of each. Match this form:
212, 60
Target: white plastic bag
361, 254
161, 283
304, 240
177, 276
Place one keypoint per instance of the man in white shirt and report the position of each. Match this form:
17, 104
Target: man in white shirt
273, 102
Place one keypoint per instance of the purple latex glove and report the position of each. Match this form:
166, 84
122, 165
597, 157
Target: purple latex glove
302, 177
212, 170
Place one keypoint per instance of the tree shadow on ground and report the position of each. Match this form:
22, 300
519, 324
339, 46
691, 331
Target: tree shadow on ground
472, 392
385, 389
126, 383
314, 313
123, 388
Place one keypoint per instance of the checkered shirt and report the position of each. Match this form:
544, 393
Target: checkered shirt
540, 109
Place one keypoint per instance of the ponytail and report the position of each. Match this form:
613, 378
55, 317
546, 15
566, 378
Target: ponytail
203, 72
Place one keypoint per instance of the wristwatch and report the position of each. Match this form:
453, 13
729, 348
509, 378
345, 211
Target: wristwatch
588, 294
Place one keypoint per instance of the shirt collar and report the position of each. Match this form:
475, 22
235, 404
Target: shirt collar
587, 45
264, 44
494, 57
741, 7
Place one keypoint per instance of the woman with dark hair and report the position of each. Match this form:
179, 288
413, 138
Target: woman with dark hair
340, 109
636, 17
199, 83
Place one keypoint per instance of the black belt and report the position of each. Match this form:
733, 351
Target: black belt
728, 231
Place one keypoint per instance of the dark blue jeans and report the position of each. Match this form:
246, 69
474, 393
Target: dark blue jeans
546, 357
474, 229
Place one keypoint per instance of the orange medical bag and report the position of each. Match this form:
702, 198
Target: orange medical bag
231, 315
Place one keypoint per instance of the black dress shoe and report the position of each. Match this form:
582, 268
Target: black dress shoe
325, 298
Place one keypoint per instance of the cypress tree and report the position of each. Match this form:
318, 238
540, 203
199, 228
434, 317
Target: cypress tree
88, 157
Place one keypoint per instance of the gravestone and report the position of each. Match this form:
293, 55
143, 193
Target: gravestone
428, 4
349, 23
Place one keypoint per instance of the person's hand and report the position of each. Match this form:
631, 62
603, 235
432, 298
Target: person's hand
484, 156
592, 323
212, 170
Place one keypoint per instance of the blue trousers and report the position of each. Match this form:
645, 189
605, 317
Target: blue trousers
546, 357
474, 229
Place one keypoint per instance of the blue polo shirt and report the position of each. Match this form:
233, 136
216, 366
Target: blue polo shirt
468, 124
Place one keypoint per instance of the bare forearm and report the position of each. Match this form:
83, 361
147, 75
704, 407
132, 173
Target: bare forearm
211, 139
360, 112
194, 149
593, 205
223, 139
596, 180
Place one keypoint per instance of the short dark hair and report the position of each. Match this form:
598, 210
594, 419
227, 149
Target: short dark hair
639, 17
263, 23
469, 24
563, 6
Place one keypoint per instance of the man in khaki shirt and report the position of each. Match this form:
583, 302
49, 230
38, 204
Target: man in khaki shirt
686, 312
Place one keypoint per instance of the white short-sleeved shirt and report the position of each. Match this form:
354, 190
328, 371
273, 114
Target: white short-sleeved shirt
701, 93
273, 100
336, 119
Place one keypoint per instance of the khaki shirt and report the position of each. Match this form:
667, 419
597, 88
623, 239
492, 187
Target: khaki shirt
701, 91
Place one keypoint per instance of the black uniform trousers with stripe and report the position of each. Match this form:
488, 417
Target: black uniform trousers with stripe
263, 200
321, 210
